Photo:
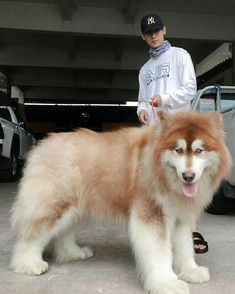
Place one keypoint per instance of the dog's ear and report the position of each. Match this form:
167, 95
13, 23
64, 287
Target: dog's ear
217, 122
162, 115
163, 120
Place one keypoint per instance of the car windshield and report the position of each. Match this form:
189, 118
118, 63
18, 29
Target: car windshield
4, 113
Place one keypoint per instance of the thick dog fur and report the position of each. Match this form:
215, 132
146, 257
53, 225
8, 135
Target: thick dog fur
157, 178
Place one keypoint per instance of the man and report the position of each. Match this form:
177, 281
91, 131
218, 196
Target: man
167, 78
166, 81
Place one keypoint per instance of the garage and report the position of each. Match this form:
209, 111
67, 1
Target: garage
74, 64
61, 53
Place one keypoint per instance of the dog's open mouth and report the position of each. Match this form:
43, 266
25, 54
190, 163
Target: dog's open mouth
190, 190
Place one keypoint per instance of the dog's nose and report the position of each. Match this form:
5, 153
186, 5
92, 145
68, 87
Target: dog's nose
188, 176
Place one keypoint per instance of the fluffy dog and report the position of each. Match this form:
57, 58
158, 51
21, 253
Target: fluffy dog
158, 178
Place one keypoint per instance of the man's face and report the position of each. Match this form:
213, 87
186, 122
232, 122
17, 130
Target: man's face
154, 38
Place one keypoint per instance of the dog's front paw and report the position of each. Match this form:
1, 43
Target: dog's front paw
174, 287
198, 274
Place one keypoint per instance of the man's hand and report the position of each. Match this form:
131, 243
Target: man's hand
143, 117
156, 101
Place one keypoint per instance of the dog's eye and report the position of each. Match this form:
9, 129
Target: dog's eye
198, 150
179, 150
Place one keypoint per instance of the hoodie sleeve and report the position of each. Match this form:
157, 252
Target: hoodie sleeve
187, 84
142, 97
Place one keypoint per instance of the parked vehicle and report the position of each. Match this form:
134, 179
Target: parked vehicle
222, 99
1, 139
15, 142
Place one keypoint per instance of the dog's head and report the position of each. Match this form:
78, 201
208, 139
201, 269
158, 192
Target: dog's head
191, 151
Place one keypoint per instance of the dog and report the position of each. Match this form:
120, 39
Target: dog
156, 178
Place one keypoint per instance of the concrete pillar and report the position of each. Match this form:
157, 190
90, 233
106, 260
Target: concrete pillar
18, 94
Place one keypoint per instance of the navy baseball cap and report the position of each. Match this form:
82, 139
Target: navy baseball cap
151, 22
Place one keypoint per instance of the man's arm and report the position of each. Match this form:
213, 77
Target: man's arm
142, 100
187, 91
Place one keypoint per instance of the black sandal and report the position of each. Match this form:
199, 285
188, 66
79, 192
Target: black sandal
199, 240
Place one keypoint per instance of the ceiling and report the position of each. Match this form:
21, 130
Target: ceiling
91, 50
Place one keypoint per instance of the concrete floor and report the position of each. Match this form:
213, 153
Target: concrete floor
112, 270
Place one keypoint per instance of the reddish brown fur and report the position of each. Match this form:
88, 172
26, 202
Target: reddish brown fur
107, 173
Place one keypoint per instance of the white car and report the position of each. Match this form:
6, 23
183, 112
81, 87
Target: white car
222, 99
1, 139
15, 141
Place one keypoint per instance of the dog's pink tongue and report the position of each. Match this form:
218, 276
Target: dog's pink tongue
189, 190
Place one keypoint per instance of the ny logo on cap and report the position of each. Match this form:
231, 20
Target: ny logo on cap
150, 20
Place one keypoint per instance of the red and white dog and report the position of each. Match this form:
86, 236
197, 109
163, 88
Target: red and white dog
158, 178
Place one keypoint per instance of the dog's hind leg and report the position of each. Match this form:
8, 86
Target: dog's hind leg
66, 249
27, 257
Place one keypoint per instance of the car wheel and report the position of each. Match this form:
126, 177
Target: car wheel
220, 204
11, 174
